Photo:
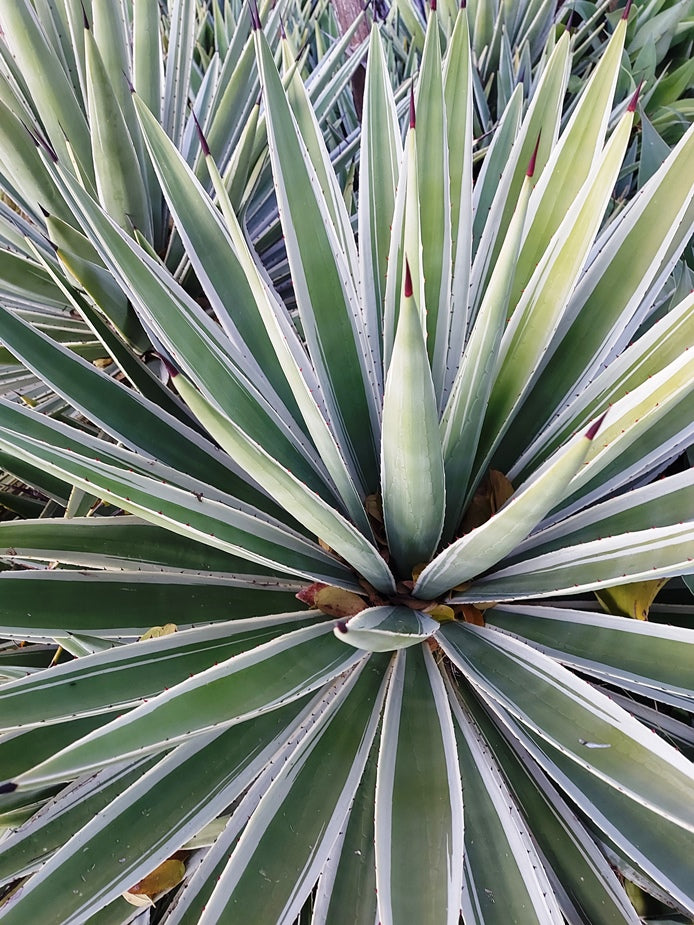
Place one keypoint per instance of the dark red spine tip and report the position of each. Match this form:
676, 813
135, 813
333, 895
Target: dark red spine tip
341, 626
635, 98
408, 280
533, 157
627, 10
203, 141
255, 15
283, 34
8, 787
85, 21
463, 4
413, 119
168, 365
595, 426
42, 143
432, 6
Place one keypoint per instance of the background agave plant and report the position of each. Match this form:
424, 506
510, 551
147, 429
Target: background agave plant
442, 439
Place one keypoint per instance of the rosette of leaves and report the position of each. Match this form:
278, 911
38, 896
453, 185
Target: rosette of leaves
450, 441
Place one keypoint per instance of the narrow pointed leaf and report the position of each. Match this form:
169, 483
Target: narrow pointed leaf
412, 477
326, 295
419, 809
434, 199
576, 719
275, 863
152, 819
614, 648
378, 175
324, 521
476, 551
245, 686
134, 673
119, 179
502, 867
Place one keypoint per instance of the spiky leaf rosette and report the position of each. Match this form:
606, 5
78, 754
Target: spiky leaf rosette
451, 439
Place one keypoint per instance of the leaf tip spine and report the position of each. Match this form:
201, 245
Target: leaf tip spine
533, 157
627, 9
635, 98
255, 15
432, 6
169, 366
463, 4
595, 426
8, 787
201, 136
341, 626
413, 118
85, 20
41, 142
408, 280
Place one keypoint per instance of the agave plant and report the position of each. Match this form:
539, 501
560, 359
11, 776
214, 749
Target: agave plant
441, 442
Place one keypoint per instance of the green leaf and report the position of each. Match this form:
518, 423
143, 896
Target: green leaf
601, 313
412, 475
289, 491
648, 355
196, 342
119, 180
49, 87
458, 106
539, 309
661, 855
346, 891
638, 426
23, 163
32, 843
132, 674
590, 888
503, 869
576, 719
207, 244
325, 292
285, 844
434, 200
291, 356
161, 495
614, 649
464, 412
151, 819
121, 412
46, 603
482, 547
419, 809
501, 180
380, 156
658, 552
179, 62
572, 161
659, 504
240, 688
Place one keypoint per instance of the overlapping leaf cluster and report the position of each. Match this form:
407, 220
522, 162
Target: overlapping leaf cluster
438, 418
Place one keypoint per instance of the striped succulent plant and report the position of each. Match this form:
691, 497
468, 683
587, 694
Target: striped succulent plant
442, 438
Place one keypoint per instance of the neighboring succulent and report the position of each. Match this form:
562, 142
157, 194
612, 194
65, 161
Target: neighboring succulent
444, 437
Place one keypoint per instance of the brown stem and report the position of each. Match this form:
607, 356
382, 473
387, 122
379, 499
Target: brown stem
347, 11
